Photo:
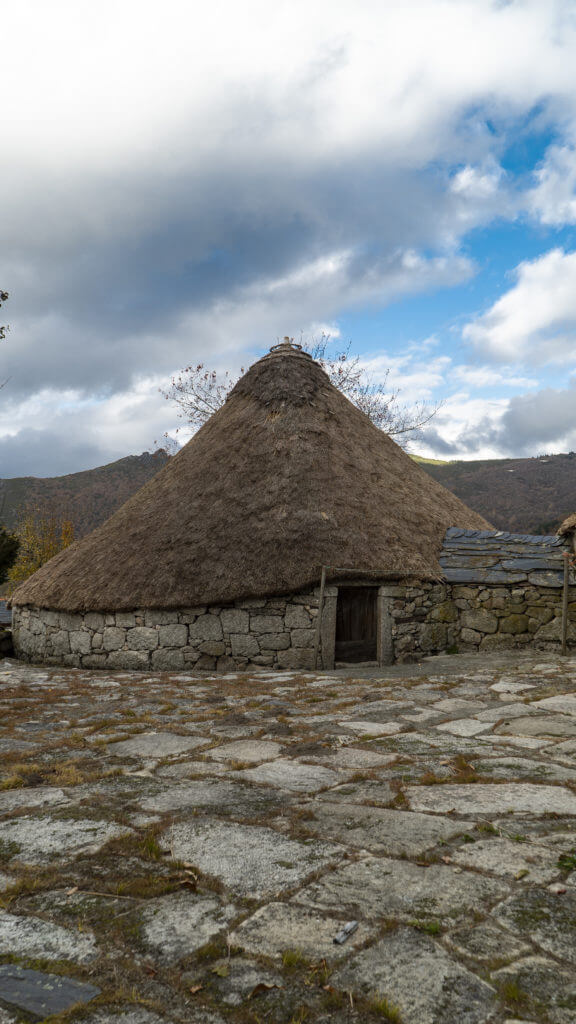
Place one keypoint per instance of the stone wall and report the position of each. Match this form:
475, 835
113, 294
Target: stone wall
280, 632
433, 618
277, 633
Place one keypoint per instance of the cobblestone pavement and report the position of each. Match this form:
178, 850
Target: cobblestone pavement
184, 850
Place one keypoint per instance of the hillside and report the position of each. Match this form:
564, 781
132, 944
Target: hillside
87, 498
519, 495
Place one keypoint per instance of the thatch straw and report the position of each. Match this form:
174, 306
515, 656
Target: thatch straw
568, 526
286, 477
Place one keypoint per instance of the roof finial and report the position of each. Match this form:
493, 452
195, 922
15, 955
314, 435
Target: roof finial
286, 345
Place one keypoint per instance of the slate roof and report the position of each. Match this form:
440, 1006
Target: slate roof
5, 614
492, 556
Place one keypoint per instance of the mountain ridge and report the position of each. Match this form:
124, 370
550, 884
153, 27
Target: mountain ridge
531, 495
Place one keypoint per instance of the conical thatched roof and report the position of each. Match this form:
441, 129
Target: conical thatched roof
286, 477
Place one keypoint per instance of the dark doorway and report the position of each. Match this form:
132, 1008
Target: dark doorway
356, 618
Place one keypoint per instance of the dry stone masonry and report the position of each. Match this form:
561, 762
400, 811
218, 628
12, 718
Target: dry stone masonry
429, 619
274, 633
500, 591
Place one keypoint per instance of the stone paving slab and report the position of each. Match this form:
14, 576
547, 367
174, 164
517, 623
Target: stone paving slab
32, 937
550, 919
176, 925
491, 799
157, 745
279, 927
278, 806
418, 977
528, 862
250, 751
397, 833
292, 775
398, 889
356, 759
487, 943
41, 840
20, 799
248, 859
227, 797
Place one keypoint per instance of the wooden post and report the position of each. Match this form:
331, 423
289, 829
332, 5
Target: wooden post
319, 617
385, 643
565, 603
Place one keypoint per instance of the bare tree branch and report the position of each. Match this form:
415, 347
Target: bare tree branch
199, 392
3, 298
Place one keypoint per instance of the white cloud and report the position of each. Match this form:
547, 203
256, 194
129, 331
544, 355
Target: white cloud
553, 200
536, 319
195, 182
487, 376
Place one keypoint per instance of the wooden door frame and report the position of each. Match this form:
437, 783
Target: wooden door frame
326, 657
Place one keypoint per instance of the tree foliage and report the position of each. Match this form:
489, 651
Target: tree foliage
199, 391
40, 537
8, 550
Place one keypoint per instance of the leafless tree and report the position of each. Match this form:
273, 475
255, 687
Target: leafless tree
3, 298
199, 392
3, 329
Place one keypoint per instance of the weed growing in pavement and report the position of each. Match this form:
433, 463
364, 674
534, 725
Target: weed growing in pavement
388, 1011
293, 959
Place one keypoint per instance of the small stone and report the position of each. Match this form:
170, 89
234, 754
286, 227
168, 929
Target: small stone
244, 645
297, 617
480, 620
113, 638
514, 624
132, 661
165, 660
80, 642
266, 624
173, 635
142, 638
205, 627
235, 620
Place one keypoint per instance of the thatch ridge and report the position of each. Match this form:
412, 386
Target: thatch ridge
286, 477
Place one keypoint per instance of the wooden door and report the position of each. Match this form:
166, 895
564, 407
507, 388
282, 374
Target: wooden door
356, 624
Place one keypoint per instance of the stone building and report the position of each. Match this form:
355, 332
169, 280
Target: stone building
289, 532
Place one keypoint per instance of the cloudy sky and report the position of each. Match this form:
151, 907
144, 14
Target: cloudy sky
190, 182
